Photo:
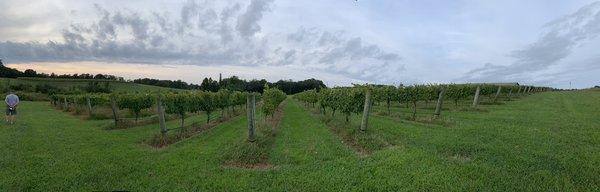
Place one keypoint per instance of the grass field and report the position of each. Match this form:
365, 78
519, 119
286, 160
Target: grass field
543, 142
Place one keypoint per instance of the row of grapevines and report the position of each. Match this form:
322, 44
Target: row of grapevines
271, 98
346, 100
175, 103
351, 99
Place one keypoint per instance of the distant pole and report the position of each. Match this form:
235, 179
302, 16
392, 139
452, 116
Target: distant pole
366, 109
89, 105
161, 119
438, 106
250, 99
497, 93
476, 98
65, 104
113, 106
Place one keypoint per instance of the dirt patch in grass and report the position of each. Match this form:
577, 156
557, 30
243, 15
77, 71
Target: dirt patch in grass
125, 123
460, 158
491, 103
428, 119
472, 109
433, 120
257, 166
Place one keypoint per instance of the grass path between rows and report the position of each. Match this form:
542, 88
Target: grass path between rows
303, 139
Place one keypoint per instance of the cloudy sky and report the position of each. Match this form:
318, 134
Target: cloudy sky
549, 43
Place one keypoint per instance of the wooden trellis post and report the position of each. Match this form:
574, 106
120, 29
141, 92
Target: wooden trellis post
113, 106
497, 93
161, 119
476, 98
65, 104
89, 105
250, 110
438, 106
366, 110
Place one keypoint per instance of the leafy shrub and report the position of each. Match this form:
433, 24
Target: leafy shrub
47, 89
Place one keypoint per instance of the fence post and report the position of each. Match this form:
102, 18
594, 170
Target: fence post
497, 93
161, 119
113, 106
438, 107
509, 94
89, 105
366, 110
476, 98
250, 102
75, 105
65, 104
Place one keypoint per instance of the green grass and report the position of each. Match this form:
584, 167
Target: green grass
542, 142
68, 84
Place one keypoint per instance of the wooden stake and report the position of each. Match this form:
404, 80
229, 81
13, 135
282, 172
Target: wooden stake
366, 110
438, 107
89, 105
113, 106
497, 93
476, 99
161, 119
250, 105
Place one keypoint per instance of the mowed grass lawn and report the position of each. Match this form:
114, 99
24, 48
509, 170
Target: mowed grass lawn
542, 142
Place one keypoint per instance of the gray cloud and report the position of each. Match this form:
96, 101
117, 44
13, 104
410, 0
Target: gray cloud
247, 23
334, 52
555, 44
205, 34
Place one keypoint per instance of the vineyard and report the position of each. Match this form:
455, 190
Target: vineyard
142, 108
222, 140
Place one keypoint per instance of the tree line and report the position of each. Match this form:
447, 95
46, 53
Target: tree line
14, 73
232, 83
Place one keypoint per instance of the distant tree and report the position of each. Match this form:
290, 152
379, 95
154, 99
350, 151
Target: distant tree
208, 84
9, 72
30, 73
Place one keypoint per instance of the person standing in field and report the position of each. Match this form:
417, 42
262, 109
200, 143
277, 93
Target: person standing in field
12, 101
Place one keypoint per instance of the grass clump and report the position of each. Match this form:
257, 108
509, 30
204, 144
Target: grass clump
251, 155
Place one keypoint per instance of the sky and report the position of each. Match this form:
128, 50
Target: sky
539, 42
